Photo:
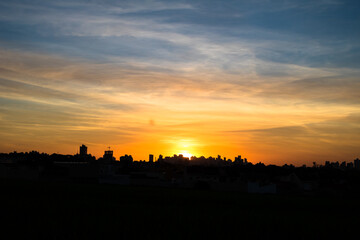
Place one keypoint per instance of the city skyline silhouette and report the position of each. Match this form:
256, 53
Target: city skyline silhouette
275, 80
179, 119
180, 172
192, 159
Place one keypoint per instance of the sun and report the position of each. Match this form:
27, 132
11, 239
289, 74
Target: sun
186, 154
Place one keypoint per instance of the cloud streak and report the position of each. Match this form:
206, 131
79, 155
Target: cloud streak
274, 72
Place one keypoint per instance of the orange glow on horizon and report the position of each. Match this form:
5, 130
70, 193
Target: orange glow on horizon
186, 154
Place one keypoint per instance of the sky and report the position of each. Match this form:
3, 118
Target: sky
273, 81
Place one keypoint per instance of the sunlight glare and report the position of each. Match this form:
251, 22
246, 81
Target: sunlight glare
186, 154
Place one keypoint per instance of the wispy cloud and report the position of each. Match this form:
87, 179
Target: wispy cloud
106, 69
324, 140
328, 90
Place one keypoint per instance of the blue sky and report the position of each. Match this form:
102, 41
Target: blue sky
257, 66
306, 33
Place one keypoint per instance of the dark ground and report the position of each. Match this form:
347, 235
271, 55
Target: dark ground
34, 210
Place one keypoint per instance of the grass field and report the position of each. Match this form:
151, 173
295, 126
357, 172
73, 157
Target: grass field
77, 211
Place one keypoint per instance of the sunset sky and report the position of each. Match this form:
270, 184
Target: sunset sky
273, 81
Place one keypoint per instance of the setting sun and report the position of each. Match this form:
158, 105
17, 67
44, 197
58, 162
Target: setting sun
186, 154
116, 74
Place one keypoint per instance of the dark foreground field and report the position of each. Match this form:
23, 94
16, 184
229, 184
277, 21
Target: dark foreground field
77, 211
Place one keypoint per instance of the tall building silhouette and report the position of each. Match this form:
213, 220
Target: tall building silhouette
151, 158
83, 150
357, 163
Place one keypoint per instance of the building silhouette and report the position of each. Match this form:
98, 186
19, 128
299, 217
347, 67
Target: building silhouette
83, 150
108, 156
357, 163
126, 160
